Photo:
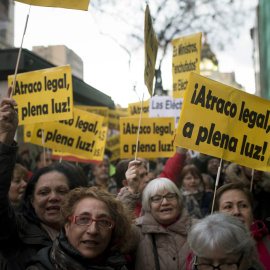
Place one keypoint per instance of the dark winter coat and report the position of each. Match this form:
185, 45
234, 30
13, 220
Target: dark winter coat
19, 239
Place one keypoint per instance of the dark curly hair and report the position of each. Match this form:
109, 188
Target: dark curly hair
122, 233
73, 177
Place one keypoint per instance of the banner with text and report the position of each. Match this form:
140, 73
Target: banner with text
155, 139
150, 49
186, 58
44, 95
114, 116
81, 135
103, 111
113, 144
225, 122
99, 147
165, 106
70, 4
134, 109
27, 132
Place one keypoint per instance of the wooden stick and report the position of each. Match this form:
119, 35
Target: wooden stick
20, 51
252, 178
139, 129
217, 181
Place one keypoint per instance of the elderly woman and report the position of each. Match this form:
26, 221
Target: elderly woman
221, 242
196, 199
161, 241
35, 226
236, 199
96, 227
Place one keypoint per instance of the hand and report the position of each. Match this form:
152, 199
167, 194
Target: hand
181, 150
8, 119
133, 177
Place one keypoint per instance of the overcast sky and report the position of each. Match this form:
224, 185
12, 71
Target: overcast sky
105, 63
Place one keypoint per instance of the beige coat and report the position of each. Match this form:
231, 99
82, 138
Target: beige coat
171, 242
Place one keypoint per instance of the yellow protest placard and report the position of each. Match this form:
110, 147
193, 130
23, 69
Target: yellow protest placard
81, 135
134, 109
155, 139
27, 132
44, 95
150, 48
225, 122
103, 111
114, 116
186, 58
113, 144
70, 4
99, 148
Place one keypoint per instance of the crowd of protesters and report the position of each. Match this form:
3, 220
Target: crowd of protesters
144, 215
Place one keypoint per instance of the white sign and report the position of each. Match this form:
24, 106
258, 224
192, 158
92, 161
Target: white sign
165, 106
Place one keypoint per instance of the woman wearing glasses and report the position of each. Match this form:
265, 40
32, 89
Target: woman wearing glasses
96, 228
162, 230
222, 242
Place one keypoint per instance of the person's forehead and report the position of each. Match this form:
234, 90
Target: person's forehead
142, 168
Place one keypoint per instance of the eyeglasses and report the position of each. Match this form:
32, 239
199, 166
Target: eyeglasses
87, 221
223, 266
159, 198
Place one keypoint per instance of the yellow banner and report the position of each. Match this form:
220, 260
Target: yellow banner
44, 95
155, 139
27, 132
99, 147
151, 48
134, 109
114, 116
103, 111
113, 144
70, 4
225, 122
186, 58
81, 135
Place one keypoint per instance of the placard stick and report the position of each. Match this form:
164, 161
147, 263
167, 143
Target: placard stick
20, 51
139, 129
60, 160
43, 143
217, 181
252, 177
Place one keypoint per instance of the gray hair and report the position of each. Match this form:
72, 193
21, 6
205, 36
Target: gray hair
220, 232
159, 184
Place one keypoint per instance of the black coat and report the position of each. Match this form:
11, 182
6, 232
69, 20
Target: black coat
61, 255
19, 239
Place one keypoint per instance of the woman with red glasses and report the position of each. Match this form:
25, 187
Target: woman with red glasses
96, 230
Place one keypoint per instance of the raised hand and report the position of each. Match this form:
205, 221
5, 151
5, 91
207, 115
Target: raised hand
8, 118
132, 176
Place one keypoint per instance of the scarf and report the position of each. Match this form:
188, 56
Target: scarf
192, 201
65, 257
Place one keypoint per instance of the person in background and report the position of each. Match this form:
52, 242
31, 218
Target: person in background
96, 229
101, 173
196, 199
17, 185
209, 183
161, 233
121, 180
236, 199
260, 190
44, 159
222, 242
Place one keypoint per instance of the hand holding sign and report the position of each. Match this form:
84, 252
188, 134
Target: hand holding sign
8, 119
132, 176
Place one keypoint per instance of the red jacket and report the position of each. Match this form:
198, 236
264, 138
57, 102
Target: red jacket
258, 232
173, 167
